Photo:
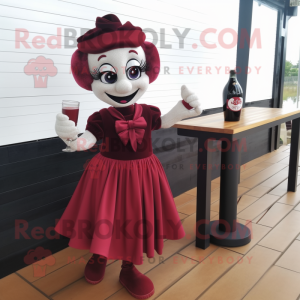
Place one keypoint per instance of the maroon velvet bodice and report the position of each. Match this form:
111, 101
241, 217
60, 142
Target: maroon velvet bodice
102, 125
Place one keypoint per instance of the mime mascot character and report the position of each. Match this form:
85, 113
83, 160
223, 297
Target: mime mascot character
123, 205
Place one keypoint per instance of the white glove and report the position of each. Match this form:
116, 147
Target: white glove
65, 128
192, 99
179, 111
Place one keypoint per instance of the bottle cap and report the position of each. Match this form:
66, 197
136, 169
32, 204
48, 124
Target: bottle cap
232, 73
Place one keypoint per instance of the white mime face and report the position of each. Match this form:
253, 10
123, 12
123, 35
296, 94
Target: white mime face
119, 75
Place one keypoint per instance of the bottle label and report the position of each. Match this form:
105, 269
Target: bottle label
235, 103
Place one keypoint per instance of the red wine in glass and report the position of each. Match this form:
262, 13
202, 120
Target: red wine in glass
72, 113
70, 109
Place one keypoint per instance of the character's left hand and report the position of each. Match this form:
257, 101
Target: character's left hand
191, 99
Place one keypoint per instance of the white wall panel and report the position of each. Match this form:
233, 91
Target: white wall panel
28, 113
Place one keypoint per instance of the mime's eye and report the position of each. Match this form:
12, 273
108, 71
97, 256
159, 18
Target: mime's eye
45, 68
106, 73
108, 77
133, 73
133, 69
36, 68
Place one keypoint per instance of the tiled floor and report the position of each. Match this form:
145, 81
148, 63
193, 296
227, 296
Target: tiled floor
267, 268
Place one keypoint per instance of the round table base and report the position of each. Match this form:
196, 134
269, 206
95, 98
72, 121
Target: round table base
240, 237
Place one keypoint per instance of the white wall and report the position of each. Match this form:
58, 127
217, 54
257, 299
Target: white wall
28, 113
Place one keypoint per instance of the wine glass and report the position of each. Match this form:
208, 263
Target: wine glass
71, 109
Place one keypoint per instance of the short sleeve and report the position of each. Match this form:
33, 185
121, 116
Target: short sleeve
95, 125
155, 117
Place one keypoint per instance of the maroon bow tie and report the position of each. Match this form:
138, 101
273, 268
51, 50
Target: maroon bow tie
132, 130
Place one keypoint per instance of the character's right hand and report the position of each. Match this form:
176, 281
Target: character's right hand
65, 128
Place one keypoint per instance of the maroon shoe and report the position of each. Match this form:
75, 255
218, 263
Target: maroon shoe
138, 285
95, 269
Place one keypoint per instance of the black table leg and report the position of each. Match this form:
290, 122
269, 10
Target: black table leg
203, 192
294, 156
226, 231
239, 162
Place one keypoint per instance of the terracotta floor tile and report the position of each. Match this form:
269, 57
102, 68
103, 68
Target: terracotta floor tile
254, 170
62, 277
235, 284
80, 289
276, 213
192, 192
163, 276
255, 162
245, 201
280, 190
216, 180
202, 276
258, 191
245, 167
214, 217
284, 233
297, 207
258, 218
277, 158
284, 148
290, 198
173, 246
215, 186
250, 172
264, 165
242, 190
277, 284
13, 287
150, 263
256, 179
198, 254
182, 216
277, 178
62, 258
182, 199
291, 258
215, 195
215, 206
258, 232
285, 161
257, 207
188, 208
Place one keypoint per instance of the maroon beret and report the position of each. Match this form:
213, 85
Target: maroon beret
110, 34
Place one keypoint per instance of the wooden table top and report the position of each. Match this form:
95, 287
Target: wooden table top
251, 117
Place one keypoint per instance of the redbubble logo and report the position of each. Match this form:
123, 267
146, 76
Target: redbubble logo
39, 258
40, 68
66, 38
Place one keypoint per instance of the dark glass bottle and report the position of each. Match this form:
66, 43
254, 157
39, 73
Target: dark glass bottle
232, 98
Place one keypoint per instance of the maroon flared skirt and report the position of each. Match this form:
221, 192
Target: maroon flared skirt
121, 209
